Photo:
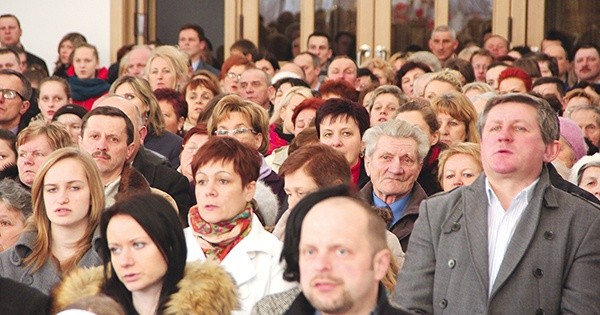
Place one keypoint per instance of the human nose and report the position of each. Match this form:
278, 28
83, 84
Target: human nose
323, 263
504, 134
336, 141
125, 259
63, 197
444, 128
102, 145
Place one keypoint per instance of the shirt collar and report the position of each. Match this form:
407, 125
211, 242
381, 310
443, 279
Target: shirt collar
397, 207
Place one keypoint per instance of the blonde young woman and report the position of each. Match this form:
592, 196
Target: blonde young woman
68, 199
167, 67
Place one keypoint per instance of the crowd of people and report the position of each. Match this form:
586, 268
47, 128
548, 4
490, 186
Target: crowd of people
439, 180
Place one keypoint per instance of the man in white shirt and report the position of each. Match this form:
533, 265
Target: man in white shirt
510, 242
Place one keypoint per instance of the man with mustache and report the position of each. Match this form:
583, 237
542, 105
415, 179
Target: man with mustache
394, 154
511, 242
586, 65
107, 134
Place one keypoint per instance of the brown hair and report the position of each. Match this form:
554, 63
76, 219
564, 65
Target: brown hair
326, 166
246, 161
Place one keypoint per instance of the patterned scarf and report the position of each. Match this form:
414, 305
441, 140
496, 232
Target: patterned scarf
217, 239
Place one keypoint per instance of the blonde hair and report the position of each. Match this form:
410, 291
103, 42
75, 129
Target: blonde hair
471, 149
285, 100
179, 61
459, 107
380, 64
258, 117
449, 76
39, 222
57, 135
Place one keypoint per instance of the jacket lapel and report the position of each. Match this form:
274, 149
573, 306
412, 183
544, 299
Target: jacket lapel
475, 208
524, 231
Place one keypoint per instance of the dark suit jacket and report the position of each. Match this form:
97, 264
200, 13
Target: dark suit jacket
551, 266
166, 179
17, 298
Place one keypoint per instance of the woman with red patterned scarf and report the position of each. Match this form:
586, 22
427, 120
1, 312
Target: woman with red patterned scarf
224, 225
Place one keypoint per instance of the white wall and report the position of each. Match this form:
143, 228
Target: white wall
45, 22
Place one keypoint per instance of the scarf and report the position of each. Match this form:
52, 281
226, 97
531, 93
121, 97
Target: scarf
88, 88
217, 239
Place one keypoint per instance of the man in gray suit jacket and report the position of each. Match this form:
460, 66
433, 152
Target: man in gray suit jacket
511, 242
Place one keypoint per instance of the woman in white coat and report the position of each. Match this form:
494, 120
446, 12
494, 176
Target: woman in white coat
224, 225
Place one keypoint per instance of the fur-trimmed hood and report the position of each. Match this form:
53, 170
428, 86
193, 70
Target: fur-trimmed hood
206, 288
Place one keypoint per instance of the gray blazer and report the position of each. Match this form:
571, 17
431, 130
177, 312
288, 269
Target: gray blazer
551, 266
13, 267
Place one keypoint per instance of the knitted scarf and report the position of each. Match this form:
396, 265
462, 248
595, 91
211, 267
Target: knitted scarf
217, 239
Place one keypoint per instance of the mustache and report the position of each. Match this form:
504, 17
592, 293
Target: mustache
325, 278
101, 154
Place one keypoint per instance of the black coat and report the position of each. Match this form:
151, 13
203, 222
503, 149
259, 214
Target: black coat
17, 298
166, 179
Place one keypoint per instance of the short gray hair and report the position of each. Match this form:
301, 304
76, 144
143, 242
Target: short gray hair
388, 89
16, 197
396, 128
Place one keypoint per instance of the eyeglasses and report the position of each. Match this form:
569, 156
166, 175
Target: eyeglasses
234, 76
234, 132
10, 94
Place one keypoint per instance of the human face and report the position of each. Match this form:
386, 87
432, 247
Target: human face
491, 76
138, 262
342, 69
460, 169
558, 52
416, 119
298, 185
380, 76
496, 46
548, 88
72, 123
230, 81
452, 130
12, 224
340, 270
67, 194
384, 108
10, 61
303, 120
255, 87
319, 46
511, 143
544, 69
566, 154
393, 167
590, 180
435, 88
31, 155
442, 45
480, 64
265, 66
105, 138
197, 100
280, 91
52, 97
190, 43
409, 79
576, 101
64, 51
587, 65
161, 74
85, 63
126, 90
10, 32
236, 120
220, 193
172, 122
7, 155
137, 62
342, 134
189, 150
587, 120
11, 110
311, 72
288, 112
512, 85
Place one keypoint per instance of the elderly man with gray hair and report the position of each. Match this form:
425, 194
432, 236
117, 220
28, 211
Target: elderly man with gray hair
394, 153
15, 208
